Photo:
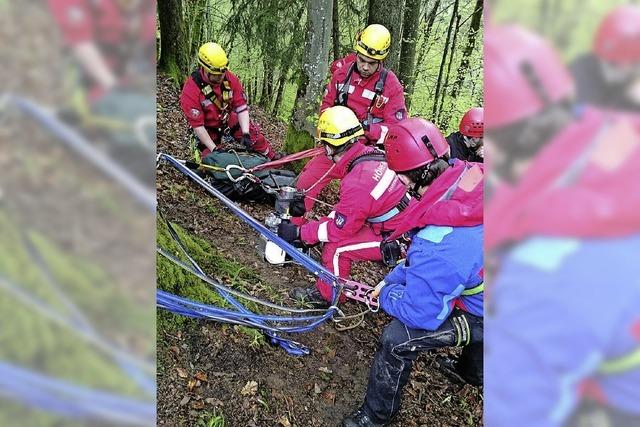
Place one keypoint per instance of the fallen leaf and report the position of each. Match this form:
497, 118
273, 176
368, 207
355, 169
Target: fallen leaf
329, 395
185, 400
317, 389
198, 404
325, 370
191, 385
249, 389
284, 421
182, 373
214, 401
175, 350
201, 376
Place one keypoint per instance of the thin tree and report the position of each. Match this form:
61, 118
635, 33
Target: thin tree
336, 31
472, 35
445, 50
314, 70
410, 26
443, 122
390, 14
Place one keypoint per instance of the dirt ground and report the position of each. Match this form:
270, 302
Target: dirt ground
211, 371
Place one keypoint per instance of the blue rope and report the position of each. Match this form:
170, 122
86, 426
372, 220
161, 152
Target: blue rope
290, 346
243, 316
63, 398
76, 142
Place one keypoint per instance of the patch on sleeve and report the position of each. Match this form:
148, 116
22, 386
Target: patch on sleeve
195, 112
400, 115
340, 220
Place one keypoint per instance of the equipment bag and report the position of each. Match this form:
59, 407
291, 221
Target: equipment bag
263, 189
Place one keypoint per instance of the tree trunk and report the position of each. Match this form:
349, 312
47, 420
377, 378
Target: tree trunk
282, 83
390, 14
444, 59
336, 32
173, 56
431, 17
408, 50
443, 122
314, 70
463, 69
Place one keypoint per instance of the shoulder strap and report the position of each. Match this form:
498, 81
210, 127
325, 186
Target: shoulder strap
208, 92
377, 156
342, 94
378, 88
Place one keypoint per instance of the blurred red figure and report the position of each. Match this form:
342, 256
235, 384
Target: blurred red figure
374, 93
467, 144
112, 40
563, 313
215, 105
610, 76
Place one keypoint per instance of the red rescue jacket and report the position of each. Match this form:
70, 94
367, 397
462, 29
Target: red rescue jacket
386, 109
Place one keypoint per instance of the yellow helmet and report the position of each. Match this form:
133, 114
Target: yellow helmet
213, 58
374, 42
338, 125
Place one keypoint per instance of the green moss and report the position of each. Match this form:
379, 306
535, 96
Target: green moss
295, 141
35, 341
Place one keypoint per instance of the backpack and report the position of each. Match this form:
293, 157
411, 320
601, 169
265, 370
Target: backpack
246, 189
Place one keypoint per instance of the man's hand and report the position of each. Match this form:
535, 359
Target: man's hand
480, 151
246, 140
377, 289
289, 232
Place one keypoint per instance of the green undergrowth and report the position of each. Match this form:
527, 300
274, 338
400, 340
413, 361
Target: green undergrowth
33, 340
176, 280
296, 141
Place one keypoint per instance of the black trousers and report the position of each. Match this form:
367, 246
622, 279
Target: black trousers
400, 346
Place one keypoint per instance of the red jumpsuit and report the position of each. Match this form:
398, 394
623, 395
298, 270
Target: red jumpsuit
199, 111
122, 36
369, 190
387, 109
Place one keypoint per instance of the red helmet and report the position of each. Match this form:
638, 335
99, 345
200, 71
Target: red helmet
618, 37
523, 74
412, 143
472, 123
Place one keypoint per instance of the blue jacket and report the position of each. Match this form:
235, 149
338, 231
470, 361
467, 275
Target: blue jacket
442, 262
562, 309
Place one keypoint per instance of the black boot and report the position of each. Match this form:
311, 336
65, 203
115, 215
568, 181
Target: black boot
359, 418
309, 296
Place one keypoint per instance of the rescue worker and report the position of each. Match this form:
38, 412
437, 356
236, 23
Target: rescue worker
466, 144
564, 228
215, 105
610, 76
113, 45
372, 201
113, 41
436, 295
374, 93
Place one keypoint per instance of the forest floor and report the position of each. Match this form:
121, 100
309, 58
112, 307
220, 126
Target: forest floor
213, 374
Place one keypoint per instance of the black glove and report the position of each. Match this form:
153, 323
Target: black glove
289, 232
246, 140
297, 207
